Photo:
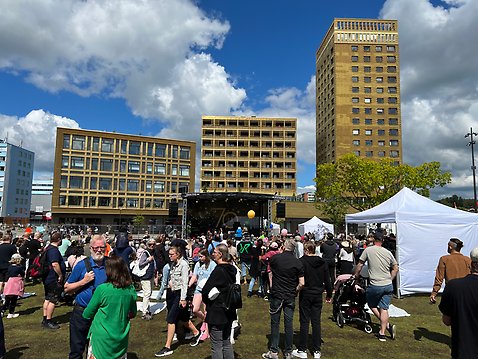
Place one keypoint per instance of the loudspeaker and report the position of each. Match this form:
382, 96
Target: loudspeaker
280, 210
173, 209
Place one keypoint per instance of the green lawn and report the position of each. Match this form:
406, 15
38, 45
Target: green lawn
422, 335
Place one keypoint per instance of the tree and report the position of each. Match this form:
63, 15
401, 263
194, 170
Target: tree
138, 220
362, 183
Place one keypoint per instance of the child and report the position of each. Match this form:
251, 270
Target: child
15, 286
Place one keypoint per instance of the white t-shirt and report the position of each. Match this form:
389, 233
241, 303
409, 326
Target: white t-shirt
380, 263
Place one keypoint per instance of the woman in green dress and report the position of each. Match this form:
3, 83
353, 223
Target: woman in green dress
112, 306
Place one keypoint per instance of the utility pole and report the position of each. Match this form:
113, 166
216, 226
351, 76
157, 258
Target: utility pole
473, 167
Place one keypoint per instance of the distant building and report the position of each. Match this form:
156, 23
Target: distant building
358, 91
307, 197
16, 173
109, 178
42, 191
249, 154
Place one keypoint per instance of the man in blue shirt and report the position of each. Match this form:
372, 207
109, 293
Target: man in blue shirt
85, 277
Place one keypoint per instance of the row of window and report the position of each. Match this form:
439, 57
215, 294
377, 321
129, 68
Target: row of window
379, 59
247, 133
251, 123
254, 185
22, 191
106, 164
393, 154
109, 145
288, 176
368, 132
380, 121
378, 79
390, 69
390, 90
380, 111
23, 173
380, 143
378, 48
24, 164
368, 100
268, 144
108, 184
102, 201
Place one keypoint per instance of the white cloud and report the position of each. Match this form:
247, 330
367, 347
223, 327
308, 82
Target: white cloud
36, 132
151, 53
439, 72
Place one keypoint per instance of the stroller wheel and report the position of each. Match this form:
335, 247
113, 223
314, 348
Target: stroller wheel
368, 329
340, 320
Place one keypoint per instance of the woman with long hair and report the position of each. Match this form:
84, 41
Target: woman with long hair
112, 306
201, 273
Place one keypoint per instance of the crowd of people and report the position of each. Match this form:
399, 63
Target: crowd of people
99, 275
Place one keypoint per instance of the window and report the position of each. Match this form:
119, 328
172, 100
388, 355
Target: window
394, 143
96, 144
366, 58
391, 59
104, 201
381, 153
380, 111
64, 161
66, 141
174, 170
133, 166
368, 111
106, 165
367, 79
149, 168
378, 48
149, 186
367, 100
122, 166
392, 79
93, 183
394, 154
355, 68
134, 148
391, 68
354, 48
133, 185
356, 142
392, 90
354, 58
368, 132
379, 79
94, 164
357, 153
150, 149
355, 79
392, 100
392, 111
356, 121
393, 132
184, 153
378, 58
355, 110
62, 200
64, 182
77, 162
92, 202
355, 89
105, 184
107, 145
355, 99
175, 152
367, 69
355, 132
393, 121
160, 150
132, 202
160, 168
368, 121
184, 170
379, 89
381, 132
78, 143
158, 203
380, 100
379, 69
368, 142
368, 153
380, 121
390, 48
158, 186
76, 182
74, 200
381, 143
366, 48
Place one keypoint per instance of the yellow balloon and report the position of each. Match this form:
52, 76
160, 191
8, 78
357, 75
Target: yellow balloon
251, 214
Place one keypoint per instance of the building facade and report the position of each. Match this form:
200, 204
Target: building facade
358, 91
109, 178
42, 193
249, 154
16, 174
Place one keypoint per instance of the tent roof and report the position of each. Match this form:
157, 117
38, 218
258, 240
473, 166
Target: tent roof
314, 221
408, 206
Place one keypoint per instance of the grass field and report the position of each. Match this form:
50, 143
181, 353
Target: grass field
422, 335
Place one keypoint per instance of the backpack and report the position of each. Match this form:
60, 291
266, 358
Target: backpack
135, 269
233, 297
40, 266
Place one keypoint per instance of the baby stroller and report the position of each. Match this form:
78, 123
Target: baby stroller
349, 303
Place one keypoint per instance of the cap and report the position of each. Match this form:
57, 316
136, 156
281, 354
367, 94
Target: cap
16, 256
474, 255
378, 236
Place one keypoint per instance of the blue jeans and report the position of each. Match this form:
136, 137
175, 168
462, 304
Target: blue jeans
276, 306
253, 282
245, 265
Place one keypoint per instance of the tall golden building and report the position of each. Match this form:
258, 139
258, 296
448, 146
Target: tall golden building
248, 154
108, 178
358, 91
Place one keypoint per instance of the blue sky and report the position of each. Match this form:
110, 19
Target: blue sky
154, 67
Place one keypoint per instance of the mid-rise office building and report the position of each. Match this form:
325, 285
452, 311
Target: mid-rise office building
248, 154
109, 178
16, 173
358, 91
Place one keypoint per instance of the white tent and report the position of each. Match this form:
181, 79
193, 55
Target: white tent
423, 230
317, 226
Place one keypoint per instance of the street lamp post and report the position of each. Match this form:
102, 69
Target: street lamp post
473, 167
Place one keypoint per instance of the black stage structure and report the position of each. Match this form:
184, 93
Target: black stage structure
226, 210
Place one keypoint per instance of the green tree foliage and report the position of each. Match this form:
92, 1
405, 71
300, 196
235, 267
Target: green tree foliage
362, 183
458, 202
138, 220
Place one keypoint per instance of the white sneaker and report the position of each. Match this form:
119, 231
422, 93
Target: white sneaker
299, 354
317, 355
10, 316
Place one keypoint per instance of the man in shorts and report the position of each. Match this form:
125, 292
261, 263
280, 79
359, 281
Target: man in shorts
382, 269
53, 282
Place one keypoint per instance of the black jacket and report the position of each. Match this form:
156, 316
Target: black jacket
316, 276
329, 251
221, 277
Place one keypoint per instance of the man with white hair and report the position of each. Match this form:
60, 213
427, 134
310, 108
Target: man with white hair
86, 276
287, 281
458, 306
